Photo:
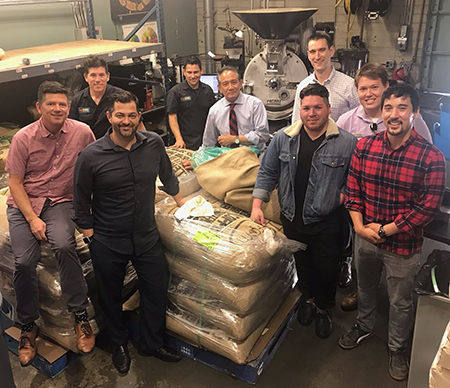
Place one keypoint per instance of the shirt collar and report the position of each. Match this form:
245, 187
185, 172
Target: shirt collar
294, 129
186, 86
361, 113
108, 144
407, 143
239, 100
333, 71
44, 132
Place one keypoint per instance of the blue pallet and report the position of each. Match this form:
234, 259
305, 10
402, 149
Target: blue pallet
50, 369
247, 372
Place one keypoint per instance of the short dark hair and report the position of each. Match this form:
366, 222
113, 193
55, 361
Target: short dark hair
124, 97
93, 61
51, 87
321, 35
192, 60
373, 71
402, 90
228, 68
315, 90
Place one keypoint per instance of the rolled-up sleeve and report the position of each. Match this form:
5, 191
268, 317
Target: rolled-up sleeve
82, 192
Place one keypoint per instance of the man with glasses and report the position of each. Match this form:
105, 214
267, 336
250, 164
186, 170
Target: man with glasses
342, 90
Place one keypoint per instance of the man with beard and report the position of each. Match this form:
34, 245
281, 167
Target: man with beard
308, 161
371, 81
395, 187
188, 105
114, 195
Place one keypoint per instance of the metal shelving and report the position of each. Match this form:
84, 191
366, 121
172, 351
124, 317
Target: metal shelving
65, 56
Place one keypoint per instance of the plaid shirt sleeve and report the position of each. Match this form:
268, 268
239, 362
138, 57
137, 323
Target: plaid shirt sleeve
353, 198
432, 190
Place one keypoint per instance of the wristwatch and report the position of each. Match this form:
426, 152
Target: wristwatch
381, 232
236, 141
88, 240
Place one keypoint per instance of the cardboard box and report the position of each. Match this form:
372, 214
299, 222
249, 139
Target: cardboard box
51, 359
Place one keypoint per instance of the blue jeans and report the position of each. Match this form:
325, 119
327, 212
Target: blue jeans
400, 274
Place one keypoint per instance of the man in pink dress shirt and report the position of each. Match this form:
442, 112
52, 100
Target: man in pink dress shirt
40, 164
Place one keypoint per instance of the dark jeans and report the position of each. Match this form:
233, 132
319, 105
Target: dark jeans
27, 252
153, 274
318, 265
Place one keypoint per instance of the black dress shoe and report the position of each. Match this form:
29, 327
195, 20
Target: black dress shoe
324, 326
305, 314
345, 274
165, 353
121, 359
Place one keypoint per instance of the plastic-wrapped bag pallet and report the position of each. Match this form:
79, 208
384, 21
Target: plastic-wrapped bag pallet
242, 299
229, 244
197, 300
211, 338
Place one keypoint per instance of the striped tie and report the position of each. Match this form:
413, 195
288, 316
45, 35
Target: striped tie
233, 121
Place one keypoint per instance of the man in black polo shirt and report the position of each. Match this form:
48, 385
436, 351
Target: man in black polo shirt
114, 197
90, 104
188, 105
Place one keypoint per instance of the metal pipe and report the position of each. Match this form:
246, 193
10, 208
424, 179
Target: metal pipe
209, 32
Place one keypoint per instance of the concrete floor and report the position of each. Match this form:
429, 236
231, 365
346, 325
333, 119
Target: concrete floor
302, 361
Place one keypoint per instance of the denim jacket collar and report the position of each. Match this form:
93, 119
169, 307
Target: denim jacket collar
294, 129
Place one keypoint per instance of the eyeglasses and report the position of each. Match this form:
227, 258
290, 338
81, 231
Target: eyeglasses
373, 127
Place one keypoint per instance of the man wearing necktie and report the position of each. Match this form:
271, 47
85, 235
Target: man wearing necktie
238, 118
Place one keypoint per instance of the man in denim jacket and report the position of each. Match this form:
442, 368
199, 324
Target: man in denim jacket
308, 163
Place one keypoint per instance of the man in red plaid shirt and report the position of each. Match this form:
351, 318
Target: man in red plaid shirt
395, 187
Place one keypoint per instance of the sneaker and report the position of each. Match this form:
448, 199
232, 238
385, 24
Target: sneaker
305, 314
353, 337
398, 365
324, 325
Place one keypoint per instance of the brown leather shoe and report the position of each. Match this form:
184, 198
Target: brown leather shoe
85, 337
27, 346
350, 302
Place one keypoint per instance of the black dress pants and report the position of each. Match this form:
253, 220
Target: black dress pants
318, 265
153, 274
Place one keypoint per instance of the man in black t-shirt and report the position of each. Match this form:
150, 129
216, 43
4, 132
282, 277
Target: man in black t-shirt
309, 161
90, 104
188, 105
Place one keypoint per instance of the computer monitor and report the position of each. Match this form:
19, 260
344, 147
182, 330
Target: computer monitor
211, 80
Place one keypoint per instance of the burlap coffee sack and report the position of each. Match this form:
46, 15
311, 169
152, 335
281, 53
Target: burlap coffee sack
237, 326
231, 177
213, 339
242, 198
242, 300
187, 179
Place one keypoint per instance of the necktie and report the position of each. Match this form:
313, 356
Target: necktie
233, 121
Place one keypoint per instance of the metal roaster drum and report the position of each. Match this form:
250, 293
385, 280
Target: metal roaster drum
273, 74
